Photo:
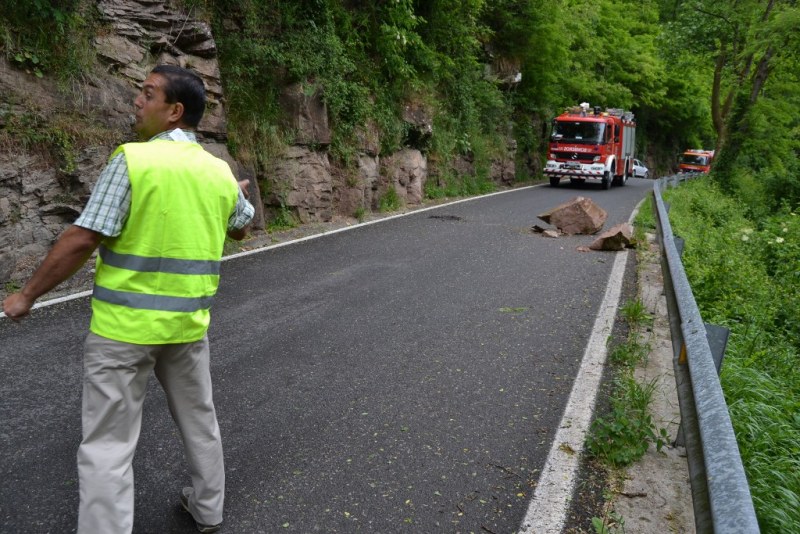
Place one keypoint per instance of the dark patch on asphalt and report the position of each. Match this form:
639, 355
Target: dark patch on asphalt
446, 217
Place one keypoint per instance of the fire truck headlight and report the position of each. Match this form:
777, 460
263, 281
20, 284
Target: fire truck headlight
596, 159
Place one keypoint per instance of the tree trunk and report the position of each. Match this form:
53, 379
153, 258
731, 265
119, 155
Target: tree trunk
716, 109
760, 77
737, 125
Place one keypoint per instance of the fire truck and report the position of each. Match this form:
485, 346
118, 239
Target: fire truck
696, 161
592, 145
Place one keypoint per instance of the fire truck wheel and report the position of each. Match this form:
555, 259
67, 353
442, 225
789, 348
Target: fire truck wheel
620, 180
554, 181
607, 180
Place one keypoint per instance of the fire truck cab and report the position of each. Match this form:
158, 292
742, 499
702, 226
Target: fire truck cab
696, 161
592, 145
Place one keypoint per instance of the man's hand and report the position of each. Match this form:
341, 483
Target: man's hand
17, 306
241, 233
243, 185
70, 252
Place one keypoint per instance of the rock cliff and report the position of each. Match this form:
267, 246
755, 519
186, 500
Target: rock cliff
54, 140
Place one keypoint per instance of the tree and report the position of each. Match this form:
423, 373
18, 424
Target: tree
772, 43
744, 44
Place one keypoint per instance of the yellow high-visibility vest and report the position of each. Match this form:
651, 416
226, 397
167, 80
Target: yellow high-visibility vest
155, 282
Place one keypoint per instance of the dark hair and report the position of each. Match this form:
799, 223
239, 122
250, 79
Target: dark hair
186, 87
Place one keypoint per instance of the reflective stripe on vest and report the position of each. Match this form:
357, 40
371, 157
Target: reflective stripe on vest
152, 302
156, 281
144, 264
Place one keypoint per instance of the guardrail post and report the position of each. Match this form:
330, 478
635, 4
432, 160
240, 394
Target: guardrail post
717, 341
680, 243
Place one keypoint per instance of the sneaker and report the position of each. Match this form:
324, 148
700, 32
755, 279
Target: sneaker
185, 494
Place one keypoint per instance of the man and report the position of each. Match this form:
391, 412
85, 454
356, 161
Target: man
159, 214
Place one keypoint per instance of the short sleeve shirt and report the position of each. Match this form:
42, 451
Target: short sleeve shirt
108, 207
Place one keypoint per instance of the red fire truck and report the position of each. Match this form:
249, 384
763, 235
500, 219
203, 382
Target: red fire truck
592, 145
696, 161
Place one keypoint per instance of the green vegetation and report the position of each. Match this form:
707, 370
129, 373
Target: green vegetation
697, 73
360, 214
283, 220
613, 524
513, 310
634, 312
54, 39
60, 136
48, 37
624, 434
12, 287
231, 246
369, 61
743, 269
389, 201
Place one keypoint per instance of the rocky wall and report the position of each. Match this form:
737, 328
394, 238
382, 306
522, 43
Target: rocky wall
40, 197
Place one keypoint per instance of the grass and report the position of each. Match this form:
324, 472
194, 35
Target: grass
231, 246
634, 312
622, 436
12, 287
452, 185
744, 275
50, 38
390, 201
283, 220
627, 355
360, 213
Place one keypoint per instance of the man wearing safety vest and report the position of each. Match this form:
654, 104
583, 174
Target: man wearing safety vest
159, 214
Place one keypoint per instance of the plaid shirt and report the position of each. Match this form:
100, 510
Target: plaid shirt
108, 207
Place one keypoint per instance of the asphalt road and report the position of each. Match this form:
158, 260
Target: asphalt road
405, 376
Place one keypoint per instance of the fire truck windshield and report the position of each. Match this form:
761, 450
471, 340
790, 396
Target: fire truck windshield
580, 132
692, 159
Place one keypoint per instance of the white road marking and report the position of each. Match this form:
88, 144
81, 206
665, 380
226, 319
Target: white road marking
547, 511
375, 221
307, 238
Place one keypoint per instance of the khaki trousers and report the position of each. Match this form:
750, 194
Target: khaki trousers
114, 384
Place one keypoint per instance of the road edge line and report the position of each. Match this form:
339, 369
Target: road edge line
74, 296
548, 509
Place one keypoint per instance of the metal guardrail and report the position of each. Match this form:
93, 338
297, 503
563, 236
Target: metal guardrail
720, 493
